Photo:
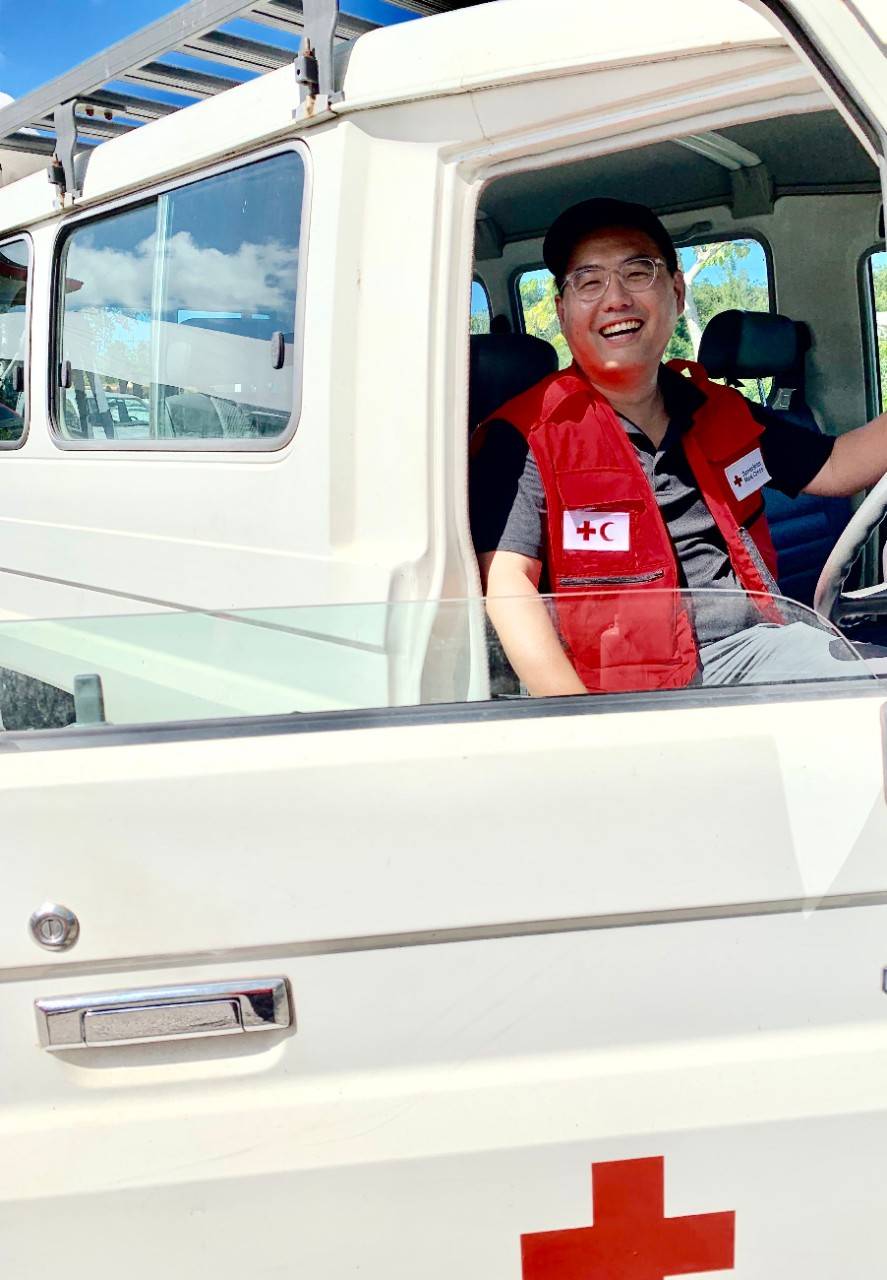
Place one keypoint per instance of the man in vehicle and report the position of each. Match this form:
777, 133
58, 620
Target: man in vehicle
620, 482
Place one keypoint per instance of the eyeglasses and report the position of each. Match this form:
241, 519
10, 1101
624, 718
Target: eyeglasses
589, 284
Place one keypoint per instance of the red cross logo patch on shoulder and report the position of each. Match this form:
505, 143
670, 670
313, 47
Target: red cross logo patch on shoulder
747, 475
631, 1238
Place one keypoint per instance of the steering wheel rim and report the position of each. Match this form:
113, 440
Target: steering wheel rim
854, 536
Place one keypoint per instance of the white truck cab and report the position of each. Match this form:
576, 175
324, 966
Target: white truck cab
325, 949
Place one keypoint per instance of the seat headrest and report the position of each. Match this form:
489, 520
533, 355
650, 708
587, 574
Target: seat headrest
753, 344
502, 366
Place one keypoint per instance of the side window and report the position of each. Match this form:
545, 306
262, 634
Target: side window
876, 279
13, 337
480, 308
720, 276
177, 316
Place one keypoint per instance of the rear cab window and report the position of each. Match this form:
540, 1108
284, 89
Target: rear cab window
721, 275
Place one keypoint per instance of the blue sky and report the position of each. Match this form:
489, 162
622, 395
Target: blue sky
42, 39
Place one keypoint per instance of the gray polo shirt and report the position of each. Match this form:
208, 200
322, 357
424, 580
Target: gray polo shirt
508, 510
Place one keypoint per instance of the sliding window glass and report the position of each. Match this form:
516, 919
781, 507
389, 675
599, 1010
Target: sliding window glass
178, 315
14, 270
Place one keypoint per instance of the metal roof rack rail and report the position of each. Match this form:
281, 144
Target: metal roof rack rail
93, 101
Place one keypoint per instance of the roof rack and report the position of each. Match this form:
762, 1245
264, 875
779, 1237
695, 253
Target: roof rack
95, 101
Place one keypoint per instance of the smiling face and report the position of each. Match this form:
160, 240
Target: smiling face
618, 340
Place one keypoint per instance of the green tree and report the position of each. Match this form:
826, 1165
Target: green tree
879, 290
479, 322
724, 254
879, 284
716, 279
537, 295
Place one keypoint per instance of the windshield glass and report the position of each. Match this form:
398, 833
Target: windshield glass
164, 664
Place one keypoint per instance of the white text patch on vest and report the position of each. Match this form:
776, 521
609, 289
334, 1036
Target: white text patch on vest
589, 530
747, 475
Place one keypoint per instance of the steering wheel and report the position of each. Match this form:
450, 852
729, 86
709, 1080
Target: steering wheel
857, 532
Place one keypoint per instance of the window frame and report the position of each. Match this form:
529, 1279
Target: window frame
66, 228
870, 356
482, 711
8, 446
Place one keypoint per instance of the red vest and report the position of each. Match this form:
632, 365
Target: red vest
626, 627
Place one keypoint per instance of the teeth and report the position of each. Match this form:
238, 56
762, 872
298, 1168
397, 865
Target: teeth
623, 326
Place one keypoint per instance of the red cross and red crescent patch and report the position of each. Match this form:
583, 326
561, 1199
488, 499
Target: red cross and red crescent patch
631, 1238
588, 530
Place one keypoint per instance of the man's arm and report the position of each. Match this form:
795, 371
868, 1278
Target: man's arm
858, 459
523, 624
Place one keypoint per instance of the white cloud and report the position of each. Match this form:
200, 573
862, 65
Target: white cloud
257, 278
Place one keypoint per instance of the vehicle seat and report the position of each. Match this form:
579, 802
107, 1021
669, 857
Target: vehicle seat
502, 365
758, 345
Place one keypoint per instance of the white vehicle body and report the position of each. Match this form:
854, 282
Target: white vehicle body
520, 939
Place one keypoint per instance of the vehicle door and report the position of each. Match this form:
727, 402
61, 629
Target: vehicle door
502, 988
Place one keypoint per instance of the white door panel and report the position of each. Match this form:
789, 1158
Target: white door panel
661, 986
436, 1102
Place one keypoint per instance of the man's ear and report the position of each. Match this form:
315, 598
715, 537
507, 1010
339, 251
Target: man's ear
559, 306
680, 291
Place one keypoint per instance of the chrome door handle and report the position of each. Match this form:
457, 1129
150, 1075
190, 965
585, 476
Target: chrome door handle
163, 1013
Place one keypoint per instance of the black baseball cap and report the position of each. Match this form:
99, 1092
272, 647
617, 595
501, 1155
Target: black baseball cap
600, 214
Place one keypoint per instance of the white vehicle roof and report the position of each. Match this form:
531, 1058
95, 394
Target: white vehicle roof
460, 47
473, 42
510, 40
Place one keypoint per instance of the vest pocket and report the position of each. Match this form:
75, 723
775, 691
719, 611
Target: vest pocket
612, 580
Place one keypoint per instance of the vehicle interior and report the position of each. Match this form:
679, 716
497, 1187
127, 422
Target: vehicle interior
780, 231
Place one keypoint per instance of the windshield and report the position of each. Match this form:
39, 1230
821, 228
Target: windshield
156, 664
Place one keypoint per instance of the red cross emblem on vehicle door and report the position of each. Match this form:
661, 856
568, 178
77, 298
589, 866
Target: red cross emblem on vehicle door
631, 1238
